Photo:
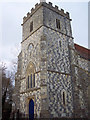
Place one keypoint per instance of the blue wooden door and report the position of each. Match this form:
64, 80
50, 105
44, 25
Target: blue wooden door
31, 109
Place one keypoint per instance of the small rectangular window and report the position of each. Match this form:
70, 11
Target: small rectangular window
63, 98
58, 23
31, 26
60, 43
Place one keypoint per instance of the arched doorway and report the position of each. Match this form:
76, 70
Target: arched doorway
31, 109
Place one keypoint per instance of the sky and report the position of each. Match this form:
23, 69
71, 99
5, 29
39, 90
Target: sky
11, 16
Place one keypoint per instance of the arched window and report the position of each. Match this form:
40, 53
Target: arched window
31, 81
28, 81
34, 80
30, 47
30, 73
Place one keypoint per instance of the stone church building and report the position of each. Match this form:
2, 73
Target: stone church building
52, 78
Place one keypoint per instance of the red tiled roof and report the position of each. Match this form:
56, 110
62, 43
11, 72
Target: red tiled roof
84, 52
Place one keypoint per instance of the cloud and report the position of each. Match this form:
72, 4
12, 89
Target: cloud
9, 54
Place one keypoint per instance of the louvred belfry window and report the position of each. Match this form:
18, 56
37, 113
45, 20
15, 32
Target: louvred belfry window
31, 26
58, 23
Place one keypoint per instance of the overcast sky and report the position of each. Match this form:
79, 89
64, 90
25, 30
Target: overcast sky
11, 16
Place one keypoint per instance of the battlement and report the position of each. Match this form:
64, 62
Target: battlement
49, 6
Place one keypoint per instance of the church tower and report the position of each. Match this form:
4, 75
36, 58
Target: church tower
44, 76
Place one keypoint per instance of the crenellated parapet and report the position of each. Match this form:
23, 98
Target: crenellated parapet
49, 6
